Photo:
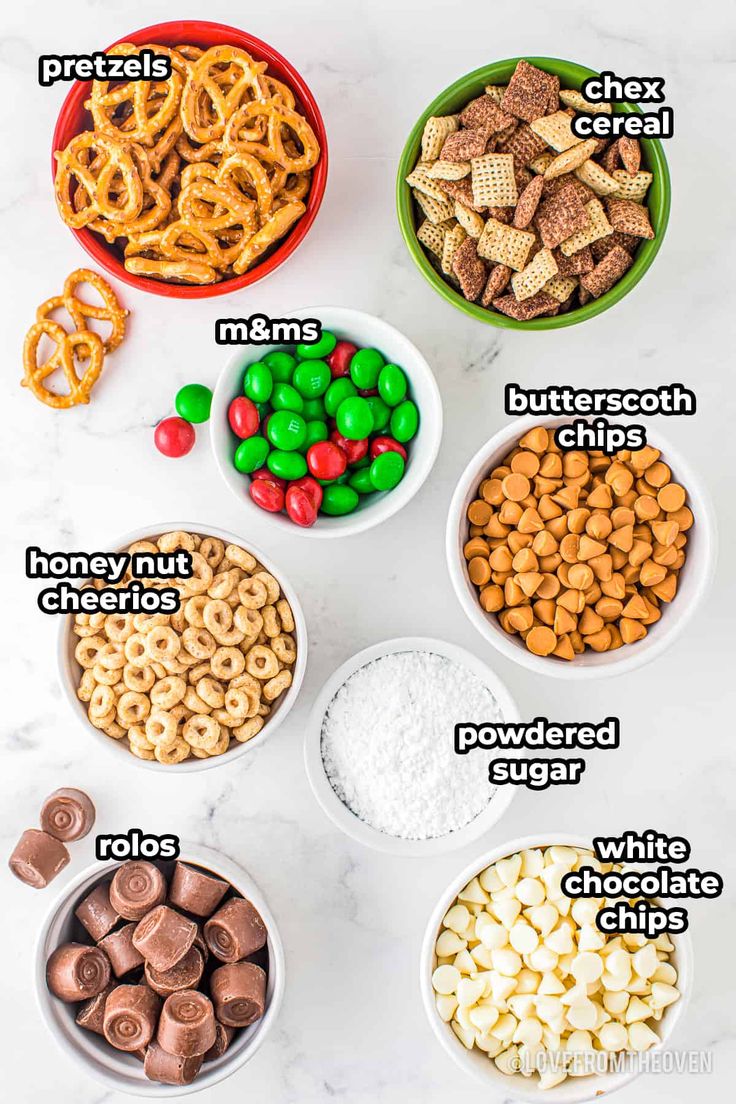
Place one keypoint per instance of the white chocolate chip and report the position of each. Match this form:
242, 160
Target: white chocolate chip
504, 1027
506, 961
529, 1032
560, 941
636, 1010
532, 862
457, 918
466, 1037
493, 935
469, 991
544, 918
613, 1036
585, 910
662, 995
645, 961
446, 1005
641, 1036
474, 893
530, 891
615, 1003
483, 1017
509, 870
666, 973
446, 979
550, 985
523, 938
448, 943
590, 938
587, 967
507, 911
527, 981
582, 1015
549, 1008
490, 879
507, 1061
543, 959
464, 962
501, 987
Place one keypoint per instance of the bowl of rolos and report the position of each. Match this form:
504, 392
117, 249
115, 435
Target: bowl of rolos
528, 995
328, 436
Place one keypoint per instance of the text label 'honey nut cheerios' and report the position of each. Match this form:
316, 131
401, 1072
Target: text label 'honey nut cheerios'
144, 66
259, 329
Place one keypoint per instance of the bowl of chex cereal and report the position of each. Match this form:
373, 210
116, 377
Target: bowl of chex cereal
514, 219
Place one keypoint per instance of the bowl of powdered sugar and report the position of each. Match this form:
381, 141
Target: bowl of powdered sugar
380, 747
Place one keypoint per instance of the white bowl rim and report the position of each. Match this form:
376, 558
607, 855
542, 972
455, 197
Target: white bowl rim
606, 664
217, 1071
192, 764
390, 502
340, 815
517, 1087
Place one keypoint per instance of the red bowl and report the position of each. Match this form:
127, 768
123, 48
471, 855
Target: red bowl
73, 118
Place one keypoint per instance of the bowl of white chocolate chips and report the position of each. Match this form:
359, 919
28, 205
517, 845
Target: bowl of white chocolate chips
526, 993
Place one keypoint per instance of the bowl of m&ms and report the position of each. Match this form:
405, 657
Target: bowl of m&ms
329, 434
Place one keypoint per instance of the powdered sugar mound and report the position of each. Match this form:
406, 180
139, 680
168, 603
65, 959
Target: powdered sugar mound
388, 745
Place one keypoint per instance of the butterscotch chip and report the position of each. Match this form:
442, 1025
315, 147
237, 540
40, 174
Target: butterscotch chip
541, 641
491, 598
536, 439
516, 486
479, 512
671, 497
479, 571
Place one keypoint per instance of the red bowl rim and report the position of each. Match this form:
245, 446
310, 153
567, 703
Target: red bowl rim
196, 31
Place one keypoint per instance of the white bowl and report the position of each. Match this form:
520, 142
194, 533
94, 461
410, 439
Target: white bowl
341, 815
123, 1072
695, 576
517, 1087
363, 330
70, 670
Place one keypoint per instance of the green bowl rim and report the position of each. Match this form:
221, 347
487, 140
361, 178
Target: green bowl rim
647, 251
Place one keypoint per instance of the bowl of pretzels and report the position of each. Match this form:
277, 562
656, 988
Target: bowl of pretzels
199, 183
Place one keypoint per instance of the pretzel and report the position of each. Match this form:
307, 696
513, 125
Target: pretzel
116, 164
278, 117
205, 107
78, 310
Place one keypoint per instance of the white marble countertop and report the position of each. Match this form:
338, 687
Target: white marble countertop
352, 1026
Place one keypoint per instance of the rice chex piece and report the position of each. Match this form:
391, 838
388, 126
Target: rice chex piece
422, 182
528, 203
449, 170
536, 274
436, 210
630, 152
528, 92
631, 186
607, 273
493, 180
598, 227
555, 130
541, 303
576, 264
462, 190
571, 158
629, 218
432, 237
454, 238
600, 248
524, 144
541, 161
436, 129
595, 176
469, 269
470, 221
504, 245
560, 287
495, 91
572, 98
498, 279
464, 145
485, 112
560, 216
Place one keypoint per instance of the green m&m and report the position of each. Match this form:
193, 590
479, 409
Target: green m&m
314, 410
337, 392
258, 382
387, 471
361, 481
311, 378
354, 419
404, 421
286, 430
338, 499
380, 411
392, 385
365, 367
287, 465
282, 365
316, 431
251, 454
193, 403
317, 349
286, 397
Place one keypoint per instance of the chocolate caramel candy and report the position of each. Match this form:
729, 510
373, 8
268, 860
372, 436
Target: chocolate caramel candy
195, 892
138, 886
186, 974
164, 936
91, 1014
123, 954
75, 972
170, 1069
187, 1024
221, 1043
37, 858
235, 931
96, 913
131, 1012
239, 993
67, 814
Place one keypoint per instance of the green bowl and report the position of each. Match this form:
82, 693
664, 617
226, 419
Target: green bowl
453, 99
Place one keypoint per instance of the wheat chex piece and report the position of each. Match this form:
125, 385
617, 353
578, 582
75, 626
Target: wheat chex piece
562, 183
524, 144
584, 296
454, 238
630, 152
598, 227
436, 210
432, 237
420, 180
504, 245
462, 190
498, 279
560, 287
576, 264
470, 221
522, 177
436, 129
611, 158
553, 104
528, 93
560, 216
607, 273
539, 304
600, 248
528, 203
493, 180
594, 176
555, 130
572, 98
571, 159
470, 270
485, 112
464, 145
631, 186
495, 91
501, 214
541, 161
449, 170
629, 218
536, 274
